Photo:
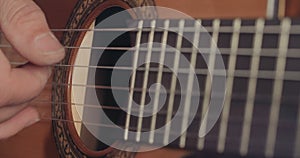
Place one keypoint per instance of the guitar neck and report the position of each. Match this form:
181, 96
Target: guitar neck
262, 88
260, 111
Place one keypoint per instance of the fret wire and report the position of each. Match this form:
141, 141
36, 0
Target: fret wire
282, 8
135, 62
277, 89
297, 140
159, 80
190, 81
229, 86
251, 88
270, 9
276, 9
145, 81
211, 65
173, 82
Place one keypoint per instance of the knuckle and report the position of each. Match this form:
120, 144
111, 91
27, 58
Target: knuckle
22, 13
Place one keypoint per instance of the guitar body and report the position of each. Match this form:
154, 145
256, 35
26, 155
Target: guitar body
42, 140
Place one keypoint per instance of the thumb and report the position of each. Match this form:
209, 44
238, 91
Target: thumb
25, 26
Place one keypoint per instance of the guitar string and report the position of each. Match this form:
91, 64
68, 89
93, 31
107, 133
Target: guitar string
212, 137
265, 52
233, 120
258, 100
191, 134
263, 74
92, 86
286, 124
261, 100
124, 88
256, 122
269, 29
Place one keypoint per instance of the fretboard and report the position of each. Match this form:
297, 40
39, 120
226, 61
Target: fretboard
261, 107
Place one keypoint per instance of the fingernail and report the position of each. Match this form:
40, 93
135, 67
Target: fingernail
31, 122
47, 43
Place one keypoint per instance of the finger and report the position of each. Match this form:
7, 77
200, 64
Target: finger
8, 112
25, 27
23, 119
26, 83
20, 85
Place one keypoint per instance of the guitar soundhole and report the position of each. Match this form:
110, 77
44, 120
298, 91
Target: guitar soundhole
106, 64
77, 78
102, 78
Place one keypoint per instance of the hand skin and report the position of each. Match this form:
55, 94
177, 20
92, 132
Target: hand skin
25, 27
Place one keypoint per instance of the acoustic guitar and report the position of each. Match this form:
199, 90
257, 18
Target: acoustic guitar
145, 78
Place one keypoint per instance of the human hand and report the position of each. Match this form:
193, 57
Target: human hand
25, 27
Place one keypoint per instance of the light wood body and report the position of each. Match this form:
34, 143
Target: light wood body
37, 141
